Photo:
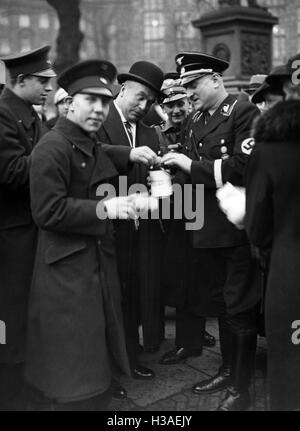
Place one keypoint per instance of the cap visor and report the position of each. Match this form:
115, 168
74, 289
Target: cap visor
48, 73
99, 91
188, 79
174, 98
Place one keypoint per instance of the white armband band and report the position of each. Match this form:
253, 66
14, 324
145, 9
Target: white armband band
218, 173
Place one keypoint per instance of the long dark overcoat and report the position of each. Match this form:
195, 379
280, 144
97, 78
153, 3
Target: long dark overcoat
139, 253
19, 132
273, 213
199, 279
75, 329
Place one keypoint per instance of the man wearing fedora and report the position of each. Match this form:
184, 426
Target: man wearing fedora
217, 144
286, 78
76, 340
138, 246
28, 85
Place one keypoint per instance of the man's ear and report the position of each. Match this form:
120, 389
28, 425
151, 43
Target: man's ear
122, 90
216, 80
21, 79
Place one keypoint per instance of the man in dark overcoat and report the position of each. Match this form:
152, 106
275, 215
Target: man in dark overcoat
138, 247
75, 330
217, 145
30, 75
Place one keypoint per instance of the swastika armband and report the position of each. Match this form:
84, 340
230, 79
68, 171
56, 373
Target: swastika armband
247, 146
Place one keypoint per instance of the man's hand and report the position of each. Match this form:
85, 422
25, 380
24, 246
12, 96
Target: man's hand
121, 208
180, 160
143, 155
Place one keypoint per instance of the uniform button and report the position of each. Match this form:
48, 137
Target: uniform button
99, 242
200, 158
200, 145
224, 149
83, 165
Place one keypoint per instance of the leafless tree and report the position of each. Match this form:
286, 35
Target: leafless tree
69, 36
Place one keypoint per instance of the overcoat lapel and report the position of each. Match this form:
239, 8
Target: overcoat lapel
114, 128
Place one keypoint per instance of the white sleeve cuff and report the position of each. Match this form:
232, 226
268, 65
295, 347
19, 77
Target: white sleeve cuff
218, 173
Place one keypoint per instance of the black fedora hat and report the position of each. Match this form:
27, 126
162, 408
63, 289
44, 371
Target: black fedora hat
145, 73
278, 75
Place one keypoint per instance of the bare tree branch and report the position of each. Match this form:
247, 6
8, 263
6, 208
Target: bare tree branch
69, 36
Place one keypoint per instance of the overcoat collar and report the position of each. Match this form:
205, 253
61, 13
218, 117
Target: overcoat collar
76, 135
104, 168
21, 110
223, 112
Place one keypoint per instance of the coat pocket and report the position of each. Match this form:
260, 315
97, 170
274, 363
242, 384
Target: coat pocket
58, 251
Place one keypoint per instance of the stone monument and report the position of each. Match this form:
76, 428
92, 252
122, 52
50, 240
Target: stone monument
241, 35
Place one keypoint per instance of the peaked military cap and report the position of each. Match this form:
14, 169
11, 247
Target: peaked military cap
34, 62
172, 90
92, 76
145, 73
193, 65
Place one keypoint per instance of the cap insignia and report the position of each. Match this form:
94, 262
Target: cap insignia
104, 81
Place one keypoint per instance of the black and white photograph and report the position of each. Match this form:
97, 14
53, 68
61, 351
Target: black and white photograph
149, 208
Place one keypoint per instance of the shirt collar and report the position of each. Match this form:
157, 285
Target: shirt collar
168, 127
133, 125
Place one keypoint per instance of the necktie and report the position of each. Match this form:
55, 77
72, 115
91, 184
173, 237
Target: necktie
129, 131
206, 116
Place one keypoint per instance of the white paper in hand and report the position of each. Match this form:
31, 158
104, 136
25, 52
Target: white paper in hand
232, 201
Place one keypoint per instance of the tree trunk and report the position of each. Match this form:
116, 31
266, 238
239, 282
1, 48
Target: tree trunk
69, 36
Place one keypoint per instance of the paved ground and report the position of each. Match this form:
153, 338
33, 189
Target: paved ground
171, 390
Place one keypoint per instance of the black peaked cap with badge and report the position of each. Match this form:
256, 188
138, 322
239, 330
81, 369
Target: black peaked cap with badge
145, 73
193, 65
35, 62
92, 76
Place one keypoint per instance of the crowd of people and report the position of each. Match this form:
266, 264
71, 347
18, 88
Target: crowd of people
81, 274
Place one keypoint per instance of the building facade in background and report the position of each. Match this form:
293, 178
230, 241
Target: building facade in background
124, 31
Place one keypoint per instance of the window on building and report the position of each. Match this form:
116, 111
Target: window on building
155, 50
154, 29
298, 24
5, 47
154, 4
24, 21
154, 25
44, 22
25, 44
279, 43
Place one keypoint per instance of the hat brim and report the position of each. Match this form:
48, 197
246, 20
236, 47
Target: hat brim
174, 98
123, 77
98, 91
265, 88
48, 73
188, 79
